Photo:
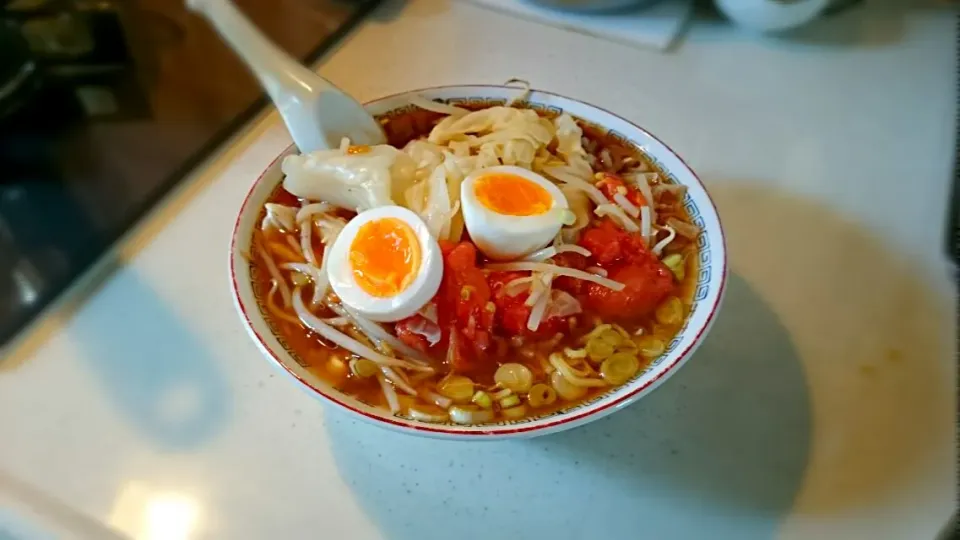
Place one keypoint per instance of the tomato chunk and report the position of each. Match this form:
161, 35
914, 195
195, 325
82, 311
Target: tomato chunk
464, 306
409, 337
570, 260
468, 286
626, 258
648, 282
417, 332
611, 184
512, 313
609, 244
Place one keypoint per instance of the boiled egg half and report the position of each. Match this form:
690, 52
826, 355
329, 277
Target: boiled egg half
510, 211
385, 264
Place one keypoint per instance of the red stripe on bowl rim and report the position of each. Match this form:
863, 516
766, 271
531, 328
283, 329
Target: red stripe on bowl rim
497, 432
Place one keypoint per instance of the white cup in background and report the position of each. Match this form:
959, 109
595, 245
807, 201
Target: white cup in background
771, 15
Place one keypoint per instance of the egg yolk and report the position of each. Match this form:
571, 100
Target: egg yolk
385, 257
512, 195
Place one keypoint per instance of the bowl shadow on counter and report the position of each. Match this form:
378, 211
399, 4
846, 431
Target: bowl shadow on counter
151, 365
876, 334
729, 430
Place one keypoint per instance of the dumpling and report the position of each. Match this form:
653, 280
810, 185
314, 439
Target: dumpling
359, 180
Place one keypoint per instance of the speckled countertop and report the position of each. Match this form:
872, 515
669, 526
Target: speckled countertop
820, 406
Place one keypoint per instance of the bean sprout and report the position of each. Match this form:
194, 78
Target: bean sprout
645, 223
307, 212
436, 106
274, 309
274, 273
522, 266
376, 333
627, 206
552, 251
571, 375
397, 380
388, 392
517, 286
326, 331
568, 178
540, 307
671, 234
619, 215
306, 243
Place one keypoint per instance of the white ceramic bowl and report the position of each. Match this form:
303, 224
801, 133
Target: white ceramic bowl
709, 289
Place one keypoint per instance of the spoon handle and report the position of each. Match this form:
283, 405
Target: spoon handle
277, 71
316, 113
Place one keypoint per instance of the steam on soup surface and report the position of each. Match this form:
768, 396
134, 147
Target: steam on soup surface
487, 264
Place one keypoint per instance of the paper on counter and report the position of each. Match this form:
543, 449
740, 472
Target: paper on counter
657, 26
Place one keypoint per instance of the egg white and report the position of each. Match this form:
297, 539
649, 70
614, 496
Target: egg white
505, 237
404, 304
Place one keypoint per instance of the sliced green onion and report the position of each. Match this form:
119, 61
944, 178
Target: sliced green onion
628, 345
574, 376
622, 331
510, 401
593, 333
675, 263
427, 413
440, 401
482, 399
541, 395
502, 394
650, 346
466, 414
611, 336
619, 368
598, 349
670, 312
564, 388
515, 413
363, 368
456, 387
516, 377
557, 359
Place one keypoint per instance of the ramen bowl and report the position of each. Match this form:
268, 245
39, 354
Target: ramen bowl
707, 285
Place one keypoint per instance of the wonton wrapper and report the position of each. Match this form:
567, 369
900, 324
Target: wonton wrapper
356, 182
